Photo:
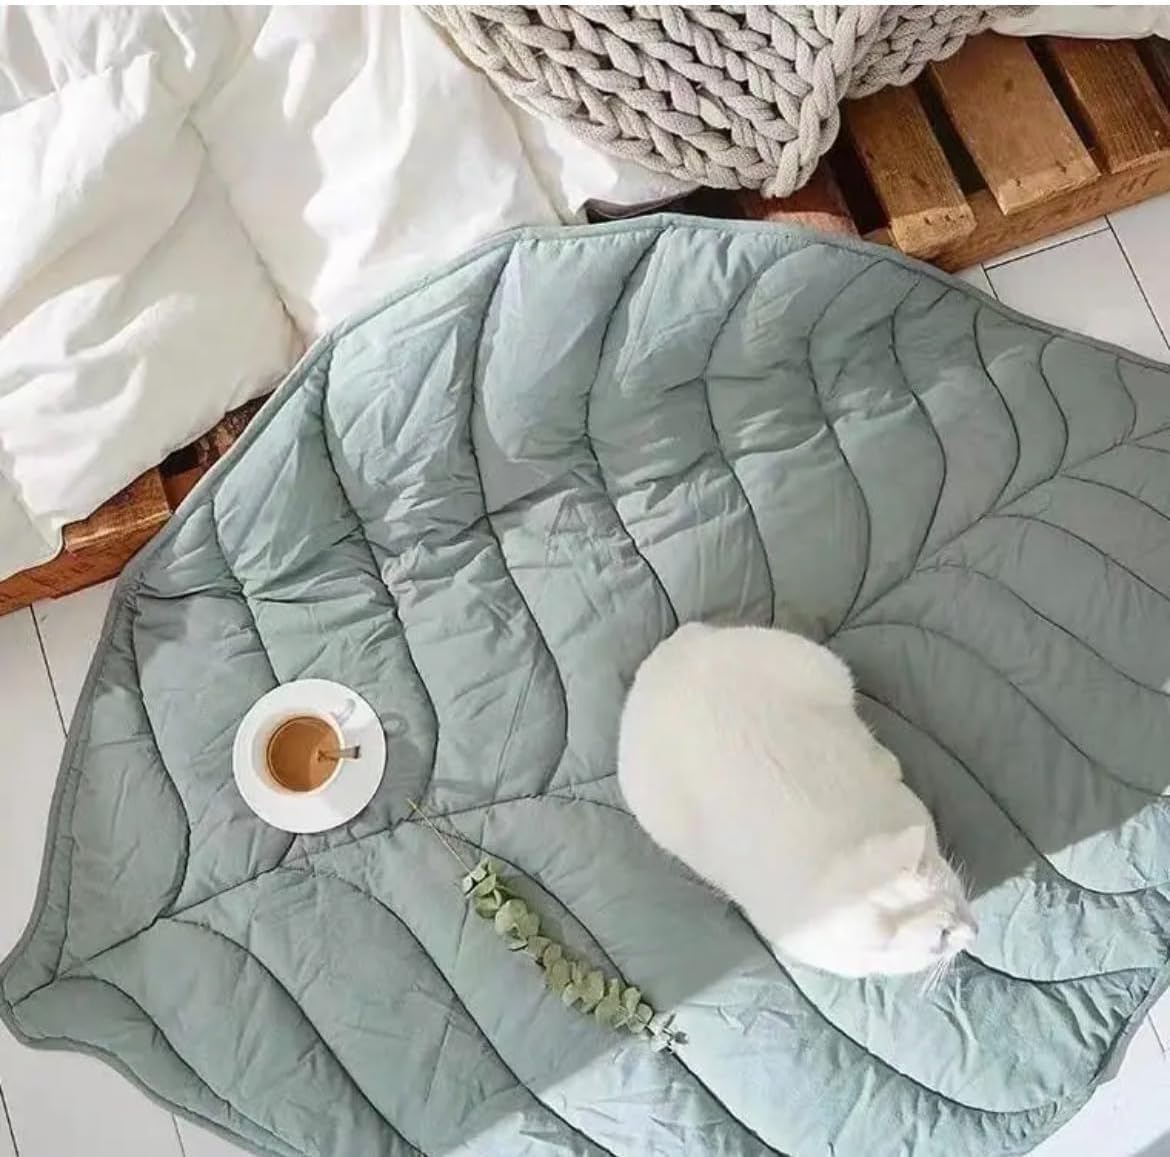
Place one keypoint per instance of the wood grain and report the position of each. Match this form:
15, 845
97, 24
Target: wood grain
923, 203
96, 548
1116, 99
1011, 123
996, 233
1155, 55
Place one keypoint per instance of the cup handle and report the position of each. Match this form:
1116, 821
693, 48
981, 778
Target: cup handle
342, 717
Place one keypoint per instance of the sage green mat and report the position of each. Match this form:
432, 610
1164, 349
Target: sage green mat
480, 506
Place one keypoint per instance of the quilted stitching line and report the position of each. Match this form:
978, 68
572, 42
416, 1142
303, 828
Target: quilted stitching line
668, 1056
965, 568
717, 440
784, 971
1163, 515
818, 394
231, 1108
314, 873
1041, 857
1003, 514
1064, 426
1141, 444
983, 661
326, 430
876, 1058
976, 314
942, 450
181, 875
194, 924
240, 593
1044, 349
1129, 395
476, 361
1063, 467
587, 435
1050, 981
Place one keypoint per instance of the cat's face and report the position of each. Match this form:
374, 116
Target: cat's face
902, 909
918, 920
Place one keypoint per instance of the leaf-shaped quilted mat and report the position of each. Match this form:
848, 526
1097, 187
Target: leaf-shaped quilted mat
480, 506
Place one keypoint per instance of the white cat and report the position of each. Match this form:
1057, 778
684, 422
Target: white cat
742, 754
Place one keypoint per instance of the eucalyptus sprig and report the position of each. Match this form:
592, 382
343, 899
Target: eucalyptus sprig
610, 1000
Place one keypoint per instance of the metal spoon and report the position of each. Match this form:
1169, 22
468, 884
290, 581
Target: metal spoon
343, 753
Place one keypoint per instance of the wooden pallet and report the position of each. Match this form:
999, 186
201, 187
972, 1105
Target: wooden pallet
1007, 142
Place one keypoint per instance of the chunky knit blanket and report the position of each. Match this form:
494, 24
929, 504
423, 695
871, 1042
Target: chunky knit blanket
734, 96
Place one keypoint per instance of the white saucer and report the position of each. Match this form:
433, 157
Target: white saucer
337, 800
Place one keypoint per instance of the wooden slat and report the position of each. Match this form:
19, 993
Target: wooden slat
818, 206
1155, 55
924, 205
1116, 99
142, 506
96, 548
996, 233
1011, 122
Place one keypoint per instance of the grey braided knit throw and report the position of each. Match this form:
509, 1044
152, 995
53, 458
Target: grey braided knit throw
734, 97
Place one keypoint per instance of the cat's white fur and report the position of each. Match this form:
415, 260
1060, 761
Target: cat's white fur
742, 754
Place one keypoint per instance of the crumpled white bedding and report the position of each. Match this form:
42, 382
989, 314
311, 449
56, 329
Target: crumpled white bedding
1106, 21
187, 196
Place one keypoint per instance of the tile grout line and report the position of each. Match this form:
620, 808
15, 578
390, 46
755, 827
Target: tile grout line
996, 264
990, 283
1141, 288
8, 1122
178, 1136
1157, 1036
48, 671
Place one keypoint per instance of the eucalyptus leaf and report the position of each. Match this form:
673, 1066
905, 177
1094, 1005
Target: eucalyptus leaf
610, 1001
536, 946
485, 886
558, 976
509, 915
592, 991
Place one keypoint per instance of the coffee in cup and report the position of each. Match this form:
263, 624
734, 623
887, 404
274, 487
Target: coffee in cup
302, 753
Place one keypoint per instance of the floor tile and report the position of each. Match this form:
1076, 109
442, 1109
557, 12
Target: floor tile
32, 730
67, 1105
1160, 1019
1144, 233
103, 1114
1085, 286
69, 629
199, 1142
1127, 1116
1094, 226
7, 1144
977, 276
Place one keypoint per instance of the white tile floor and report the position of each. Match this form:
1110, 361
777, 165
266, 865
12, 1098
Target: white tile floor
1110, 279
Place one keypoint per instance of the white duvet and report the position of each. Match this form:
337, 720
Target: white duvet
187, 196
